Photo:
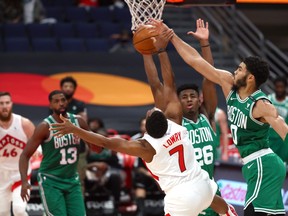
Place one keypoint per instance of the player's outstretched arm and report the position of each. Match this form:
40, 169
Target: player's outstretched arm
210, 98
172, 109
153, 79
83, 124
194, 59
156, 85
139, 148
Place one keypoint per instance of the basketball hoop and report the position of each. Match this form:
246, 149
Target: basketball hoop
142, 10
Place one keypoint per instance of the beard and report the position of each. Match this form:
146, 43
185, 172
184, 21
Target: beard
69, 95
240, 83
58, 112
6, 117
280, 94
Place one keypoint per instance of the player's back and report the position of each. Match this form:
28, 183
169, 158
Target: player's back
174, 162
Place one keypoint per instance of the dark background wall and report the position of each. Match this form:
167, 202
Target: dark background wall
271, 19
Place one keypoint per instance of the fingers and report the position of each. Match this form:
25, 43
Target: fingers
63, 118
24, 195
168, 34
201, 24
58, 134
207, 25
54, 125
191, 33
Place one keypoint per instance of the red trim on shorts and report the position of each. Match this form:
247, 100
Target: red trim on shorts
167, 214
18, 183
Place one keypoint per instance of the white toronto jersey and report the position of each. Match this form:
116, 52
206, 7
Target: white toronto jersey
12, 142
174, 162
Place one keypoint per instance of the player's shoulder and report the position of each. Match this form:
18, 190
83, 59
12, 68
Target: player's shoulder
24, 120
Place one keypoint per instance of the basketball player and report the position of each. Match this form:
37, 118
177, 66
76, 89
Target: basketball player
250, 113
57, 177
198, 116
280, 100
15, 130
165, 147
69, 86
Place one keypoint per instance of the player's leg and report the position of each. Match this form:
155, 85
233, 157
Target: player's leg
5, 197
74, 200
52, 196
189, 198
5, 193
219, 205
209, 211
18, 205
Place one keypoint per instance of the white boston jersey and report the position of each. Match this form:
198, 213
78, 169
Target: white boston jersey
12, 142
174, 162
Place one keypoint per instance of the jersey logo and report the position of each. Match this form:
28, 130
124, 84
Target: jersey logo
7, 139
233, 98
249, 166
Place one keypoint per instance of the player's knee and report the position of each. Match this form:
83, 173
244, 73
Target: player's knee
19, 210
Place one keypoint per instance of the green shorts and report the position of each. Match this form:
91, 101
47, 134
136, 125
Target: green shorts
265, 177
61, 196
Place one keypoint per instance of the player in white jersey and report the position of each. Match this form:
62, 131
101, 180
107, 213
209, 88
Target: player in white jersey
15, 130
165, 148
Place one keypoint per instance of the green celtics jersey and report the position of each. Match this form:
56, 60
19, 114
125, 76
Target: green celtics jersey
60, 154
275, 141
203, 139
249, 134
218, 129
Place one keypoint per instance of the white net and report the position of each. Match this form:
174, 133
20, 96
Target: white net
142, 10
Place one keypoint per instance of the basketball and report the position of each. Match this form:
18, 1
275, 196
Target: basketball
142, 40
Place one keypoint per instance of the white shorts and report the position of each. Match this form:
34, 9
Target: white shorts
189, 199
10, 189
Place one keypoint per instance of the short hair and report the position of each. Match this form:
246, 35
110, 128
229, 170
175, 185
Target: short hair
258, 68
55, 92
282, 80
96, 119
68, 79
156, 124
5, 93
187, 86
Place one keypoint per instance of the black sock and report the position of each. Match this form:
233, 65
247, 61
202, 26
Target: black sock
140, 206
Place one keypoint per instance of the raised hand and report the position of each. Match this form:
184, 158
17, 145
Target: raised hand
160, 26
161, 41
202, 30
63, 128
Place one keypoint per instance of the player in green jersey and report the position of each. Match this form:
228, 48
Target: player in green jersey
197, 123
280, 100
57, 177
249, 114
